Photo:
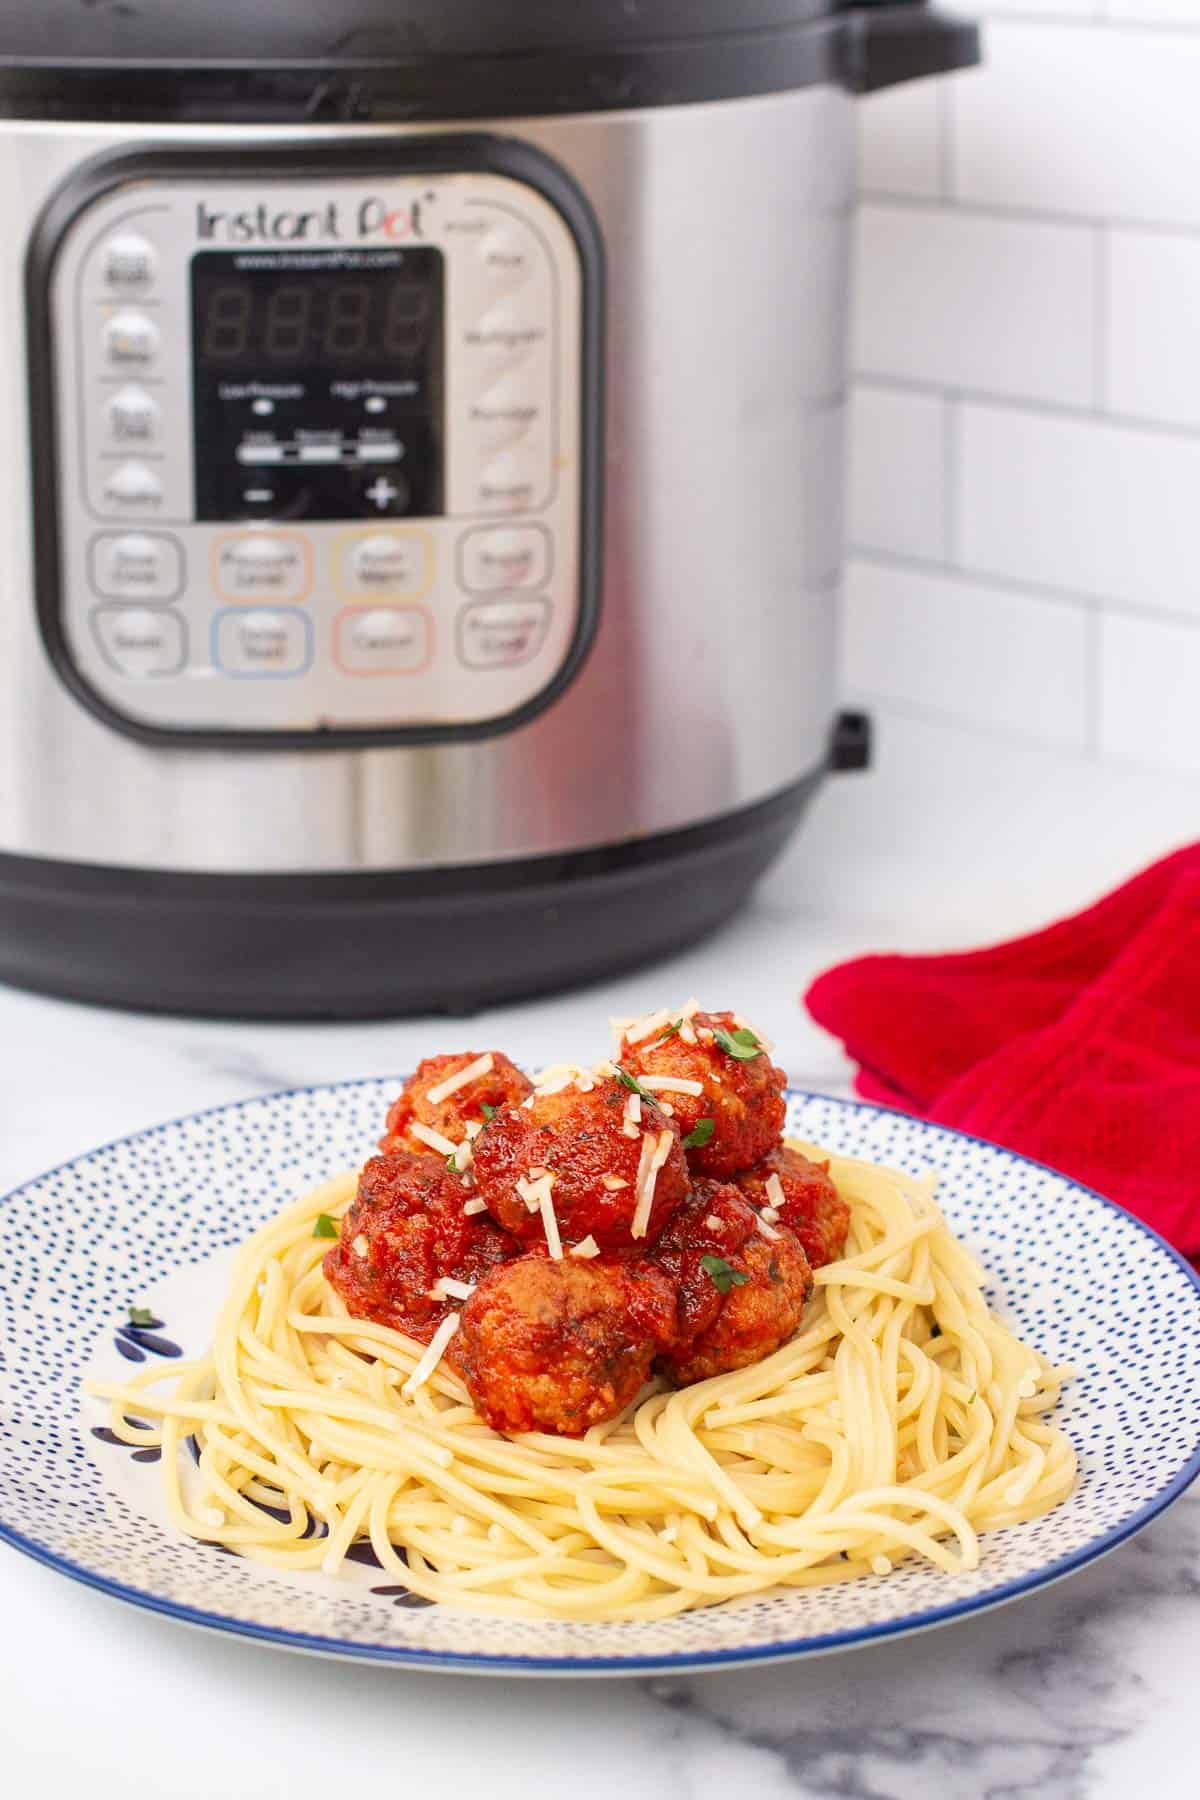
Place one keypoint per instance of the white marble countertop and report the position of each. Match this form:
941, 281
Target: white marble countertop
1083, 1690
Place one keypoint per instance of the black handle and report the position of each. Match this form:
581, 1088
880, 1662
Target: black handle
886, 43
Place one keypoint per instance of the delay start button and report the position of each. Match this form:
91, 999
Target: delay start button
258, 565
262, 641
501, 634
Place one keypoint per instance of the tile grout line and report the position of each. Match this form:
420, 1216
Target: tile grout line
1101, 318
1024, 403
1013, 213
951, 446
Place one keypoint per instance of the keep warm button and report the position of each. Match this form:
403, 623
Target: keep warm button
501, 634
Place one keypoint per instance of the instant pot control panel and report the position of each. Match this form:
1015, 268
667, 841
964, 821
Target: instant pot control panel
316, 439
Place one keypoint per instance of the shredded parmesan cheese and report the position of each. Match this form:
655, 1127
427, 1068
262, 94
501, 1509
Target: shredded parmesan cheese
529, 1194
774, 1192
770, 1214
549, 1220
644, 1028
433, 1355
586, 1247
712, 1223
483, 1065
474, 1206
614, 1183
434, 1139
450, 1289
360, 1245
768, 1231
671, 1084
647, 1180
473, 1128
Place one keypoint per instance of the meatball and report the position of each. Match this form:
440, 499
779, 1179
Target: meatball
732, 1105
739, 1294
811, 1207
405, 1231
561, 1346
421, 1101
588, 1144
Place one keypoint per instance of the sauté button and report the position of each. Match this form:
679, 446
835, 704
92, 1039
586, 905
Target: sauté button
129, 262
132, 416
133, 485
138, 641
251, 565
386, 562
500, 634
136, 565
382, 640
130, 338
504, 556
262, 641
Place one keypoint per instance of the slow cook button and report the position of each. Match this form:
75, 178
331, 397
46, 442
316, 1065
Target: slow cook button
504, 556
258, 565
511, 483
132, 485
130, 338
382, 640
386, 562
136, 565
262, 641
500, 634
138, 642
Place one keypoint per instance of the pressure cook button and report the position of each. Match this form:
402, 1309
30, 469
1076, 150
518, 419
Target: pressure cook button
387, 562
382, 640
500, 634
510, 483
504, 556
132, 416
258, 565
129, 262
262, 641
136, 565
132, 485
139, 642
130, 339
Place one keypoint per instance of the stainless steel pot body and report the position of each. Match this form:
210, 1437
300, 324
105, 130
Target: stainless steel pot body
711, 682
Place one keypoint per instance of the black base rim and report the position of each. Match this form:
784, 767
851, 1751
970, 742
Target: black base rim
379, 945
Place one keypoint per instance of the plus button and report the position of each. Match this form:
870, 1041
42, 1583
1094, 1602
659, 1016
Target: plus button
382, 492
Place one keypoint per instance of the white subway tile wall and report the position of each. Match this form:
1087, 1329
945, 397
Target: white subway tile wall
1023, 584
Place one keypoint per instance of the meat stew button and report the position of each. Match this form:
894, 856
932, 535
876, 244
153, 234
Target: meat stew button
501, 634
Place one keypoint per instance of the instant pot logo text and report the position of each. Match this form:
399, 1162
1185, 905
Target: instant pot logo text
371, 218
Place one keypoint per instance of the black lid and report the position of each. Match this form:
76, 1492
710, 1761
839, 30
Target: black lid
427, 59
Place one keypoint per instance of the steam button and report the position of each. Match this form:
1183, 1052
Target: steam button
510, 483
137, 641
130, 339
129, 262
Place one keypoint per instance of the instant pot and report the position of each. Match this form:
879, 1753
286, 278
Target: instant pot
422, 448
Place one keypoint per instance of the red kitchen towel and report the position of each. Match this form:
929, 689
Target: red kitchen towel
1079, 1046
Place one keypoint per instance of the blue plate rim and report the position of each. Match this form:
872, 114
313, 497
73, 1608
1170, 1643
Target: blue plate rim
460, 1662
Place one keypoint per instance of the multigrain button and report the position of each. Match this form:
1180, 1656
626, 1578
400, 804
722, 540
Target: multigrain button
262, 641
500, 634
136, 565
504, 556
132, 485
129, 262
386, 562
132, 416
505, 335
139, 642
130, 340
382, 640
261, 565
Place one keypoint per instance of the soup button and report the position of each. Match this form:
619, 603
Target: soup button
262, 641
499, 634
382, 640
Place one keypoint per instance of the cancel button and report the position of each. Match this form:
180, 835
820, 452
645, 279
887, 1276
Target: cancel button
500, 634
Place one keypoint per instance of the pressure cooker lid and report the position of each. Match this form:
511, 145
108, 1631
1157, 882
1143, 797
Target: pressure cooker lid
439, 59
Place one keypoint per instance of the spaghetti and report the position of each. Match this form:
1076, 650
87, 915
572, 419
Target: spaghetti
903, 1419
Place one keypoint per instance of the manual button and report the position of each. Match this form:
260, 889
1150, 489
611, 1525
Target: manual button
262, 641
136, 641
258, 565
136, 565
500, 634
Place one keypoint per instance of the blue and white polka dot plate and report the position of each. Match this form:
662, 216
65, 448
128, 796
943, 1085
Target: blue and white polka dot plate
151, 1221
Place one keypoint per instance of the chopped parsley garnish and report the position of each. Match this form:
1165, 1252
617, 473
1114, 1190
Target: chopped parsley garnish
723, 1275
670, 1032
635, 1087
699, 1135
140, 1315
489, 1112
324, 1226
741, 1044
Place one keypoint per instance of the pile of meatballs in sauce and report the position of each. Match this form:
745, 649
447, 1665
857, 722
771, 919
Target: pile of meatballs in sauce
563, 1241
